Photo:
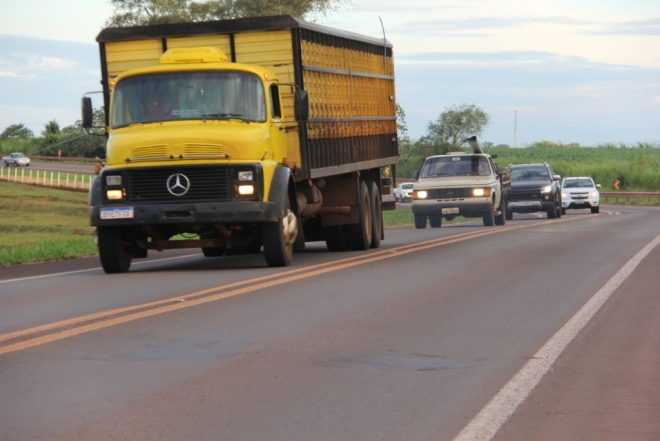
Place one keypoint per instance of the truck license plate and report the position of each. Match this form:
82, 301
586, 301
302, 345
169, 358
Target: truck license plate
117, 213
453, 210
525, 203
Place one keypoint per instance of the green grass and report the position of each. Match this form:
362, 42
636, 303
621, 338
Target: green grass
40, 224
402, 217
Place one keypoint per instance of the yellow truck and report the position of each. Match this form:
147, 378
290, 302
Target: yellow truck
237, 135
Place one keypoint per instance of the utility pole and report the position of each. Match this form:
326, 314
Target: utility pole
515, 127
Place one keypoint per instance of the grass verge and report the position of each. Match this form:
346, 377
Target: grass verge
40, 224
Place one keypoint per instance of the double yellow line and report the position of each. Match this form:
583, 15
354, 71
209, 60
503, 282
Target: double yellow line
40, 335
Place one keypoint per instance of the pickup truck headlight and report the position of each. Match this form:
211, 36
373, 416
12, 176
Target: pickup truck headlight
594, 194
420, 194
546, 189
564, 195
481, 192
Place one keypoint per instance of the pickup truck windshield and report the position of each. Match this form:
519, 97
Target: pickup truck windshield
186, 96
463, 165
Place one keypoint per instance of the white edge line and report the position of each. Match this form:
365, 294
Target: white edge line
94, 269
488, 421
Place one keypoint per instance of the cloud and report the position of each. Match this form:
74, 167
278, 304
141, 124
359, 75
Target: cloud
482, 23
645, 27
657, 99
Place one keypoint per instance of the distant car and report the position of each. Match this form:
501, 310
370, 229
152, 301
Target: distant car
403, 192
534, 187
16, 159
580, 192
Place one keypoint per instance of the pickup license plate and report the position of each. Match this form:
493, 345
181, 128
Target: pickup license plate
525, 203
450, 210
117, 213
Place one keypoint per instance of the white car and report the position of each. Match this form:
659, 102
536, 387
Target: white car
403, 192
580, 192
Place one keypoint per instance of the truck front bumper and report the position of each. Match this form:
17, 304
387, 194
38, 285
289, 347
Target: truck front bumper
182, 214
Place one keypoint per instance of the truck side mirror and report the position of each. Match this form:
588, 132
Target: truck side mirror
416, 174
556, 177
301, 105
87, 112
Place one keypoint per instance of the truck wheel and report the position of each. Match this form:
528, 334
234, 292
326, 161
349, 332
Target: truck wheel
213, 251
489, 217
509, 215
563, 210
501, 218
420, 221
115, 258
552, 213
359, 235
559, 213
435, 222
335, 238
376, 215
278, 238
595, 209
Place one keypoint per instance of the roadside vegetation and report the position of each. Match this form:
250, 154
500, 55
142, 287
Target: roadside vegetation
40, 224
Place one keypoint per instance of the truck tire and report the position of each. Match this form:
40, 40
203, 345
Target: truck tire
559, 213
509, 215
359, 235
335, 238
420, 221
213, 251
115, 258
501, 218
552, 213
376, 215
563, 210
435, 222
278, 238
489, 217
595, 209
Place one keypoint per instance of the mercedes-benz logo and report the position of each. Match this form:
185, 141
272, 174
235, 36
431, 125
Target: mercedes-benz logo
178, 184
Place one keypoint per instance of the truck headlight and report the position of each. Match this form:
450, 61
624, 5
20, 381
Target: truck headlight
564, 195
546, 189
245, 176
115, 195
594, 194
246, 190
481, 192
113, 180
420, 194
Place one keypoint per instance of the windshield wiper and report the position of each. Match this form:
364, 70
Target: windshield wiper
225, 115
438, 174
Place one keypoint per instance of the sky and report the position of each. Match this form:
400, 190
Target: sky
585, 71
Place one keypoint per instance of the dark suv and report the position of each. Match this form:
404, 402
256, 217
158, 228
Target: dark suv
534, 187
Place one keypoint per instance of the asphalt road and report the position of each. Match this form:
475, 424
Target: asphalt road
462, 332
61, 167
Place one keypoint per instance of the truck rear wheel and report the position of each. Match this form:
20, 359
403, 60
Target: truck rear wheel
278, 238
335, 238
115, 258
435, 222
376, 215
359, 235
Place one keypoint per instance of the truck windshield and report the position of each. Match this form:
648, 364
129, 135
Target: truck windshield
463, 165
186, 96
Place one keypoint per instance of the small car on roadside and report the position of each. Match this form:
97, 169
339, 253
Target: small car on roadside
16, 159
403, 192
580, 192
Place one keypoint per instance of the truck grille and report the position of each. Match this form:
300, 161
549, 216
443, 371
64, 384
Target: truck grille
449, 193
206, 184
525, 194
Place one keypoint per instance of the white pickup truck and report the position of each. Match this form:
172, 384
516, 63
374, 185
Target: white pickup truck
16, 159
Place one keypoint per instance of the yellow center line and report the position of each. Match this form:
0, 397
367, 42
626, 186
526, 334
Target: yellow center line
197, 298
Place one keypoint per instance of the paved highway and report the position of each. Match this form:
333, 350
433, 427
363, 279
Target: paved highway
540, 329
